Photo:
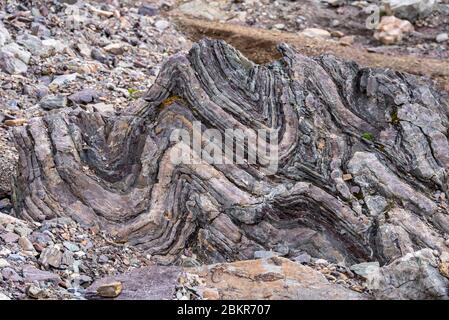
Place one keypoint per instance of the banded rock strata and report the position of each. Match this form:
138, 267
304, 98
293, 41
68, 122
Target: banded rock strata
362, 173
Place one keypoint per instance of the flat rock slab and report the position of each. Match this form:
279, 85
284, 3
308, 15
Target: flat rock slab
32, 274
149, 283
275, 278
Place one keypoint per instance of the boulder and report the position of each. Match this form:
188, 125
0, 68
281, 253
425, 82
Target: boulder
274, 278
414, 276
411, 10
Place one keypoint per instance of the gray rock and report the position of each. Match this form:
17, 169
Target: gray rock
84, 280
5, 203
148, 10
53, 46
202, 9
10, 274
323, 262
302, 258
279, 26
161, 25
67, 259
282, 249
414, 276
40, 30
4, 252
104, 108
51, 102
35, 292
84, 49
16, 257
189, 262
50, 256
22, 230
263, 254
364, 269
12, 65
84, 96
31, 274
442, 37
103, 258
26, 244
33, 44
17, 51
5, 37
335, 3
412, 9
101, 56
71, 246
40, 238
36, 91
63, 79
9, 237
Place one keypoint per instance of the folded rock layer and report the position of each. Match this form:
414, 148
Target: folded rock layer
362, 170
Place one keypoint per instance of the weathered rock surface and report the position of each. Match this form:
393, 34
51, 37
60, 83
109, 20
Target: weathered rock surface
149, 283
412, 9
388, 130
414, 276
274, 278
391, 30
8, 161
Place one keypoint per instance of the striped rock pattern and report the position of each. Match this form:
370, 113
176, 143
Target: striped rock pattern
362, 174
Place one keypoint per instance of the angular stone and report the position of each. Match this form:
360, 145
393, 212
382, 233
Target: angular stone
414, 276
26, 244
33, 44
316, 33
54, 46
85, 96
63, 79
262, 254
67, 259
22, 230
71, 246
51, 102
3, 263
9, 237
364, 269
412, 9
35, 292
161, 25
50, 257
3, 297
442, 37
116, 48
148, 10
17, 51
12, 65
10, 274
5, 37
303, 258
104, 108
31, 274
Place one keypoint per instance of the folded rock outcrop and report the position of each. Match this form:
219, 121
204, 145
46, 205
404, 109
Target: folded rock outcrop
362, 170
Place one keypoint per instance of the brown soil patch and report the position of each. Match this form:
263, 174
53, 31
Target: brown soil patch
260, 46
